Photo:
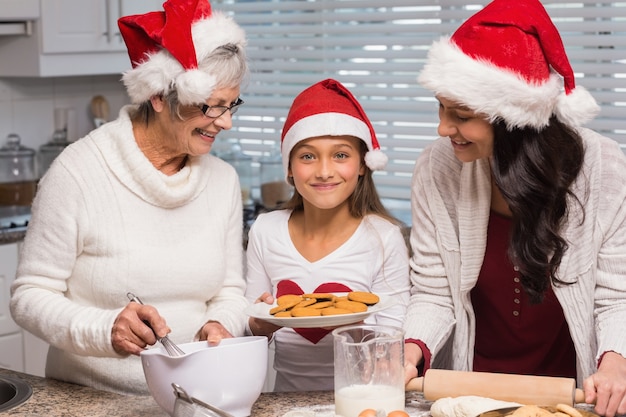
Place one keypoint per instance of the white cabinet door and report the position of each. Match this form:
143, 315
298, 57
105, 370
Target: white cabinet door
129, 7
11, 355
35, 354
87, 25
72, 38
8, 265
11, 352
76, 26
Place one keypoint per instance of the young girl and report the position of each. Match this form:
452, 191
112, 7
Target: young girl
333, 235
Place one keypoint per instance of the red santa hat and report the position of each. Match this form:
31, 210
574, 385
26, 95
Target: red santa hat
166, 47
508, 62
329, 108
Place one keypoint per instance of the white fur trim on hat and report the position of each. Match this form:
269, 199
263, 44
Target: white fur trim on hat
324, 124
488, 89
161, 72
502, 94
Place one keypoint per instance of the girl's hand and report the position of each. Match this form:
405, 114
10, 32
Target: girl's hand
261, 327
266, 298
607, 387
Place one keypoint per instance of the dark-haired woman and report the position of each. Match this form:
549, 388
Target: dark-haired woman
519, 214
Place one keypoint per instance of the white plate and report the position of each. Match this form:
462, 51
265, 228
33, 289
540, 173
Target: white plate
262, 311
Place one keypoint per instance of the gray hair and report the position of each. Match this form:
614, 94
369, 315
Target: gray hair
227, 63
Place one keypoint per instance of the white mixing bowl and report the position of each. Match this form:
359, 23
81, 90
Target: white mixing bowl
229, 376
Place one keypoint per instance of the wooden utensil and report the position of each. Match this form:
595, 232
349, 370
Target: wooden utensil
99, 110
523, 389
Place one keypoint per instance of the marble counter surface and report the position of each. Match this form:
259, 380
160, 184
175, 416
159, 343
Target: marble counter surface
53, 398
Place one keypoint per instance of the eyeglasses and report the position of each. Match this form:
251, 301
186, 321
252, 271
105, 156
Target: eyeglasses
217, 111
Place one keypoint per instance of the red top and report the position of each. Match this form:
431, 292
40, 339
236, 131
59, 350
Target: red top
513, 336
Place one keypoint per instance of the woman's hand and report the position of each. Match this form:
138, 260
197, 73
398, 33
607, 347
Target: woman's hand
607, 387
413, 356
213, 332
130, 335
260, 327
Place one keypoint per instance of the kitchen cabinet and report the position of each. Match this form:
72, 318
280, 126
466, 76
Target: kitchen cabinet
16, 16
12, 356
8, 266
71, 38
20, 350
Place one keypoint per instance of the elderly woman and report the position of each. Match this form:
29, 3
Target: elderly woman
519, 214
139, 205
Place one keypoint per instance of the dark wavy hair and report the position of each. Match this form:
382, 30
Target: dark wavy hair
534, 169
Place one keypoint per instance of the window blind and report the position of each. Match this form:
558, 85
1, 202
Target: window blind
377, 48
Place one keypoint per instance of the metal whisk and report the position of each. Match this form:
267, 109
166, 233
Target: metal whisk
171, 347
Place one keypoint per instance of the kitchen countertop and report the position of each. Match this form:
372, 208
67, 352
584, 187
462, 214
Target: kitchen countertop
53, 398
13, 223
8, 236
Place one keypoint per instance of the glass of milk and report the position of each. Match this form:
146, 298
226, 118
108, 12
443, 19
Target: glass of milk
369, 370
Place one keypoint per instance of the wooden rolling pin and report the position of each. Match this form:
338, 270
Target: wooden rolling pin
523, 389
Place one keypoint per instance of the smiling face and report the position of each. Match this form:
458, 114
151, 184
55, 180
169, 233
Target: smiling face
326, 169
196, 133
471, 135
192, 133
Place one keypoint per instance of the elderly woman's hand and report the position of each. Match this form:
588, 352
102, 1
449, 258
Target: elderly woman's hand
607, 387
213, 332
130, 335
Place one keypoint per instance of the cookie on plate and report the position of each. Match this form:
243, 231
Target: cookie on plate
334, 311
288, 299
363, 297
305, 312
352, 306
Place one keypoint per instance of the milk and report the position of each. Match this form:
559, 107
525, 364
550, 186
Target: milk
351, 400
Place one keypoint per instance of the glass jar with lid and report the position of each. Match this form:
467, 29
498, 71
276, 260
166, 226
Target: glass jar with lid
243, 165
18, 177
274, 188
60, 140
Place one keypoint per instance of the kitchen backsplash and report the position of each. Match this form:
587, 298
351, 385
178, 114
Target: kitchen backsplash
27, 104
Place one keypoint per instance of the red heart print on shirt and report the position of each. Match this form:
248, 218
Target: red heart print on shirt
289, 287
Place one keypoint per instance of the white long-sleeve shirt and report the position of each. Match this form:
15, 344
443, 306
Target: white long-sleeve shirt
374, 258
106, 222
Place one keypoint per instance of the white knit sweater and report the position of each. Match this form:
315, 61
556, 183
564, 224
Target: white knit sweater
106, 222
451, 204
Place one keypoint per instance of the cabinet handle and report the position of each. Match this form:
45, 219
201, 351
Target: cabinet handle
111, 18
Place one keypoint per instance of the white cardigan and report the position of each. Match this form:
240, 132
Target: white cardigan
451, 205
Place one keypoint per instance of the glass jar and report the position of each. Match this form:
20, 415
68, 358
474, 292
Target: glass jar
274, 188
243, 165
18, 178
49, 151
